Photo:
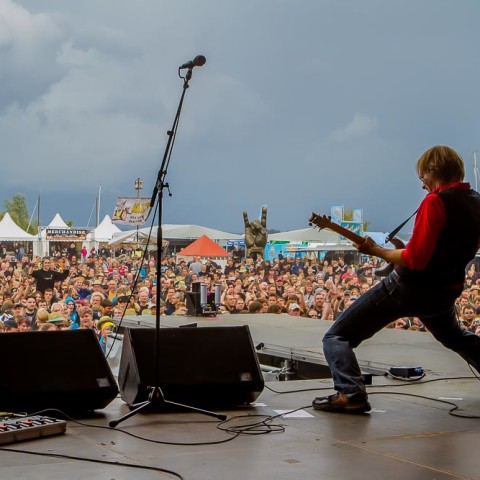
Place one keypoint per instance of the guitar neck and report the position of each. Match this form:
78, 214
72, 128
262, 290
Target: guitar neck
346, 233
323, 222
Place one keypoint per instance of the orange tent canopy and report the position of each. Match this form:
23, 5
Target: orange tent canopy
204, 247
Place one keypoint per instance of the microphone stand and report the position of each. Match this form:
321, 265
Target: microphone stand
155, 395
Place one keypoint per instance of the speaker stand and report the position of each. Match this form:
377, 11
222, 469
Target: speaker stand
155, 396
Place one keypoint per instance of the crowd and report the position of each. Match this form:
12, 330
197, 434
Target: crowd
89, 290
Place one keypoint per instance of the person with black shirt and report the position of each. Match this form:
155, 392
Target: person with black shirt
45, 277
31, 311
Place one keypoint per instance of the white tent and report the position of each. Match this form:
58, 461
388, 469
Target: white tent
318, 240
312, 235
43, 245
192, 232
176, 232
104, 232
132, 238
57, 222
11, 232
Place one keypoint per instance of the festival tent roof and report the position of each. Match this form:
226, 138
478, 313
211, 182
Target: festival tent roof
104, 231
196, 231
324, 239
203, 247
176, 232
11, 232
306, 235
57, 222
132, 237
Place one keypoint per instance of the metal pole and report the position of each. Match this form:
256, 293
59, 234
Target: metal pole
138, 187
475, 169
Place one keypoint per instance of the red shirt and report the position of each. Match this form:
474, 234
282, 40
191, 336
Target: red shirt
429, 221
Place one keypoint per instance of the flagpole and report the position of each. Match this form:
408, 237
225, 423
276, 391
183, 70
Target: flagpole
98, 205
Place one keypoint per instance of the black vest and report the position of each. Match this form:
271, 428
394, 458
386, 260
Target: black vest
457, 242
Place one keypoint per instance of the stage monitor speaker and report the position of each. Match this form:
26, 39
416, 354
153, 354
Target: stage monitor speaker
203, 367
192, 303
66, 370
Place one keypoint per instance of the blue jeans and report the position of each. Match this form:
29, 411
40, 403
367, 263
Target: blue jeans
384, 303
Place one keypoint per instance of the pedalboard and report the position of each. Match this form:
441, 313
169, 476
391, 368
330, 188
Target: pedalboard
17, 428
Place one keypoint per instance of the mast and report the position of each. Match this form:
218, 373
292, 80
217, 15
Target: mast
475, 169
98, 205
38, 215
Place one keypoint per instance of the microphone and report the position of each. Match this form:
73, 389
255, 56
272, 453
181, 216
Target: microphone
198, 61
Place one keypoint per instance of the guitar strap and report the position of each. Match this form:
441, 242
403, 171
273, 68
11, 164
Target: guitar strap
396, 230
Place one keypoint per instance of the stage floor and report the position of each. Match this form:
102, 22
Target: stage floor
405, 436
409, 433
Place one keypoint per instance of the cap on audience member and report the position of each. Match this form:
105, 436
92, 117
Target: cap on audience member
122, 299
294, 306
251, 279
9, 321
54, 317
102, 321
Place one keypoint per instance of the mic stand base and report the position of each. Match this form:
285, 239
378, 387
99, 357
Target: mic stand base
156, 398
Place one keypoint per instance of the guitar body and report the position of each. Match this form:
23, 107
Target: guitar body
387, 269
323, 221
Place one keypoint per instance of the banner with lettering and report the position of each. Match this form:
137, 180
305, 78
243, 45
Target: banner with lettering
131, 211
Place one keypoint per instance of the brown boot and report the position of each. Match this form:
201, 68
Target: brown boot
343, 402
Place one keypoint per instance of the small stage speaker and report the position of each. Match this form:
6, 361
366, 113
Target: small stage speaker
192, 301
202, 367
66, 370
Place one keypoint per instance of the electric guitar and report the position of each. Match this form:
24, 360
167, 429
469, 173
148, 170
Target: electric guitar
324, 221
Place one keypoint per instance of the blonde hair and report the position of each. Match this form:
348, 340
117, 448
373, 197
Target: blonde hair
82, 311
443, 162
42, 316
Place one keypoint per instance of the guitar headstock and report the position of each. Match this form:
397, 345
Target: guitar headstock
320, 221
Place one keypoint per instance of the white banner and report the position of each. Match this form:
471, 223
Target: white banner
336, 213
357, 215
131, 211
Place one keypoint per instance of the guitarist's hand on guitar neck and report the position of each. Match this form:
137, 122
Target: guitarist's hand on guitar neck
364, 245
368, 247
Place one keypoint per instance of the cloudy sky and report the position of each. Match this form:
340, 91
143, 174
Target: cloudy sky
302, 104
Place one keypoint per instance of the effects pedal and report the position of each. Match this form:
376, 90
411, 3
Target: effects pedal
17, 429
405, 372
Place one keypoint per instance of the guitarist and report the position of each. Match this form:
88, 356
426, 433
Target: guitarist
428, 276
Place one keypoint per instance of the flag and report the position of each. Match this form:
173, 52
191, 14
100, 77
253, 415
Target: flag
131, 210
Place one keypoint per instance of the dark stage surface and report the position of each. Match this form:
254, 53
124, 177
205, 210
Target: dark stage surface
405, 436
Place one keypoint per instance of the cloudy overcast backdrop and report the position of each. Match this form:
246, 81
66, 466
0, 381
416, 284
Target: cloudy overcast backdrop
302, 104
